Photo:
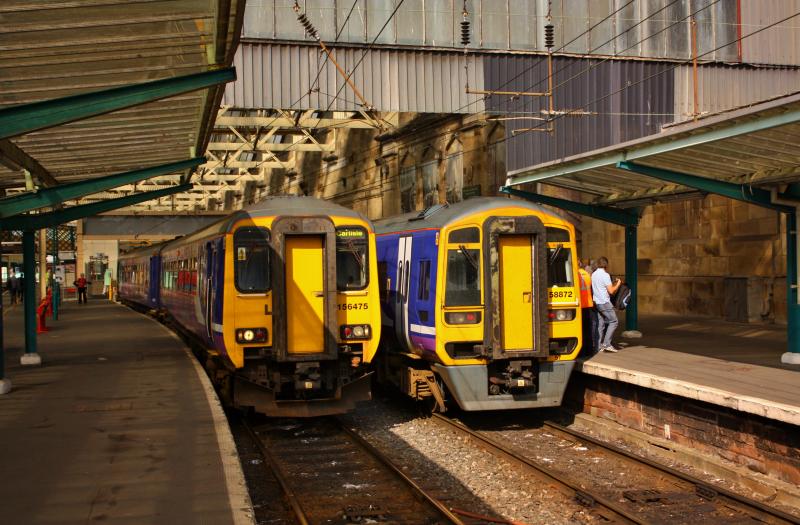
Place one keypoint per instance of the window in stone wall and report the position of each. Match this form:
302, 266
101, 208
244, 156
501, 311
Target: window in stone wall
430, 183
454, 173
408, 189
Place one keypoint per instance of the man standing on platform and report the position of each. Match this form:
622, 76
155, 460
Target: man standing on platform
81, 283
602, 290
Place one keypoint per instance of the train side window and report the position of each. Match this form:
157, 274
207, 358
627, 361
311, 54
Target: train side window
251, 260
463, 286
352, 263
424, 284
464, 235
383, 282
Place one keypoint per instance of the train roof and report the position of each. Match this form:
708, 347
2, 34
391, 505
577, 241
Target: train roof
443, 215
297, 206
153, 249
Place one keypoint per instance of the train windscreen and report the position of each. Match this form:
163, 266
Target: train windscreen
463, 277
352, 268
251, 253
559, 258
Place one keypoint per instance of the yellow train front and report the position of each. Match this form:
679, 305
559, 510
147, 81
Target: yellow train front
481, 304
283, 297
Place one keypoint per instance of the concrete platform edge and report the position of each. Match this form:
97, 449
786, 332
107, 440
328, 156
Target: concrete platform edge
238, 495
751, 405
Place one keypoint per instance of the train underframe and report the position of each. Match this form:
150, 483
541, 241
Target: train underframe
295, 388
499, 385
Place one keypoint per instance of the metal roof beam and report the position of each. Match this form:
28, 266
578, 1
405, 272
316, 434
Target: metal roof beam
741, 192
24, 118
14, 158
603, 213
52, 219
57, 195
271, 146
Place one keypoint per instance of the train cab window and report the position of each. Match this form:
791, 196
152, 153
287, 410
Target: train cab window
463, 286
557, 235
559, 266
464, 235
351, 259
251, 260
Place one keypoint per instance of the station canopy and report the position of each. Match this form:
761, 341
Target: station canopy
94, 88
750, 150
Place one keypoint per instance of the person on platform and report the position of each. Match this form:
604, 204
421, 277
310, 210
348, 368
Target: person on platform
602, 290
588, 314
107, 281
13, 287
81, 283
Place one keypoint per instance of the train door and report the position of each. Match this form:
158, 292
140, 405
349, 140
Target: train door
207, 288
516, 291
305, 293
402, 289
304, 289
155, 279
516, 277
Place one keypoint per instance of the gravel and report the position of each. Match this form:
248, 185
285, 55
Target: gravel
462, 475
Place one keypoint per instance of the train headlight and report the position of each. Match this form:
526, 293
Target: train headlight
355, 331
561, 315
462, 317
251, 335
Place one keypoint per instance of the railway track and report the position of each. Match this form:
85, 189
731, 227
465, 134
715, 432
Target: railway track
671, 497
331, 475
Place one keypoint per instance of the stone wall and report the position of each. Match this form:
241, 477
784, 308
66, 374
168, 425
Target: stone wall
707, 256
427, 159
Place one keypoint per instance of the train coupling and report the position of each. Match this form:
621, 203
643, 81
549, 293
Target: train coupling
307, 376
516, 376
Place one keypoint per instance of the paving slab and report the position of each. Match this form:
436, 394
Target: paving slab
118, 425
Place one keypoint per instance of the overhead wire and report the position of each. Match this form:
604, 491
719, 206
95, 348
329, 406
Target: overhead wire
627, 86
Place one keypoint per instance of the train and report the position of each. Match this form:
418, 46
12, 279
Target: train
281, 298
480, 304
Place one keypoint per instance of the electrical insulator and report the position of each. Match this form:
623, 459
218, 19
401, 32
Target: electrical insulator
549, 36
309, 27
465, 32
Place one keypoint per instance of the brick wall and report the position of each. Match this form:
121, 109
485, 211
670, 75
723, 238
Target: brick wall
769, 447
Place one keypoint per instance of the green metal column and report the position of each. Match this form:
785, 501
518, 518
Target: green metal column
29, 268
792, 308
632, 278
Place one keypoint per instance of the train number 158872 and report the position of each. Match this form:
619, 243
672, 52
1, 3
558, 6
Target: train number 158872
560, 294
353, 306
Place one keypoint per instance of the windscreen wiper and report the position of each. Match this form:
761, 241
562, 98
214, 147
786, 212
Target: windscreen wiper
468, 257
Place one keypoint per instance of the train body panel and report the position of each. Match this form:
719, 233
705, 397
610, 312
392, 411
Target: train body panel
470, 290
284, 297
138, 276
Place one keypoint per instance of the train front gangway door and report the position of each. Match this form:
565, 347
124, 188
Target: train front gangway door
516, 292
305, 294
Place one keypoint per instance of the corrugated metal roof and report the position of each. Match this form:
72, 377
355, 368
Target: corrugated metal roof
778, 45
50, 50
721, 88
280, 76
758, 146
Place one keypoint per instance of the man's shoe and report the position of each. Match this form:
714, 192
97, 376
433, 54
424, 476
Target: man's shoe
610, 348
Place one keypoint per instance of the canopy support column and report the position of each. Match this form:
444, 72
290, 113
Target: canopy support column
5, 383
792, 356
628, 219
30, 357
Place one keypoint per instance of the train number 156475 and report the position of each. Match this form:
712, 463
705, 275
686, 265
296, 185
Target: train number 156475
353, 306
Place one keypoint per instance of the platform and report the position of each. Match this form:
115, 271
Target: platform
728, 364
119, 425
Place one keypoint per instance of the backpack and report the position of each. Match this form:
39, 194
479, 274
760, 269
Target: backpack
622, 298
